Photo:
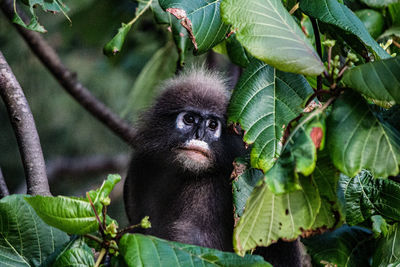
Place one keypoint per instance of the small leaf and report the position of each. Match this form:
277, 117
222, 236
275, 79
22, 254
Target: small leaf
25, 240
346, 246
268, 32
372, 20
358, 140
141, 250
114, 46
387, 250
236, 52
366, 196
345, 23
264, 101
71, 215
379, 226
379, 80
99, 195
201, 19
269, 217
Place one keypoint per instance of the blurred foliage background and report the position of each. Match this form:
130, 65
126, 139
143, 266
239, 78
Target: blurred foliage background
66, 130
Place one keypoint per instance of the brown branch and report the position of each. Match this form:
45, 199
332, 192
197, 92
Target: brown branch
25, 131
83, 167
68, 79
3, 186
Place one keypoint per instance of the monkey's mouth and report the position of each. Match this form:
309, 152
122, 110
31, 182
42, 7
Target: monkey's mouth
195, 151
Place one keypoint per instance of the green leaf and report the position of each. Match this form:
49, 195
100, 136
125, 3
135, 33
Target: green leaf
394, 11
201, 19
264, 101
346, 24
346, 246
326, 177
75, 253
99, 195
71, 215
299, 154
392, 31
372, 20
379, 226
242, 186
358, 140
378, 80
160, 67
114, 46
236, 52
387, 250
269, 33
141, 250
52, 6
379, 3
269, 217
25, 240
366, 196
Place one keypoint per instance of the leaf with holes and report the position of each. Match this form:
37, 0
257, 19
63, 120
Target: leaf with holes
346, 24
378, 80
358, 140
268, 32
264, 101
269, 217
366, 196
52, 6
201, 19
141, 250
25, 240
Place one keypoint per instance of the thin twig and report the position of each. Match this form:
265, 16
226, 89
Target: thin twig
318, 46
396, 43
127, 230
103, 252
25, 131
329, 57
94, 238
69, 80
3, 186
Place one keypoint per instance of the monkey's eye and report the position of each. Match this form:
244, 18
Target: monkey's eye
212, 124
188, 119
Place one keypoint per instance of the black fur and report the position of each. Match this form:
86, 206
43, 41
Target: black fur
185, 206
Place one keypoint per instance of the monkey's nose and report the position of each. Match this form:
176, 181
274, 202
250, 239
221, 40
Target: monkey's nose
199, 134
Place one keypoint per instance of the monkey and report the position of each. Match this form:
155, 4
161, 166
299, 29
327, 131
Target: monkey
179, 175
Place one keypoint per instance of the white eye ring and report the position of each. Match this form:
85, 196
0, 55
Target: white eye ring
179, 120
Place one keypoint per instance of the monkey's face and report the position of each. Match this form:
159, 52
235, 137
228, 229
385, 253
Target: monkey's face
198, 134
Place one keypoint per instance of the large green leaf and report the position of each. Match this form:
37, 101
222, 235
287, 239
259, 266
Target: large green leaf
342, 18
141, 250
379, 3
75, 253
269, 217
202, 20
160, 67
71, 215
366, 196
268, 32
264, 101
25, 240
358, 140
345, 247
379, 80
388, 249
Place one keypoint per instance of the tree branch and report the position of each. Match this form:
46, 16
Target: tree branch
68, 79
25, 130
3, 186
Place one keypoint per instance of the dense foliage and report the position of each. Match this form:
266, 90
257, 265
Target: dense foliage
318, 105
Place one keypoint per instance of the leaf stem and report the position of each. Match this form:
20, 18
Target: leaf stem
140, 13
96, 214
103, 252
126, 230
94, 238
